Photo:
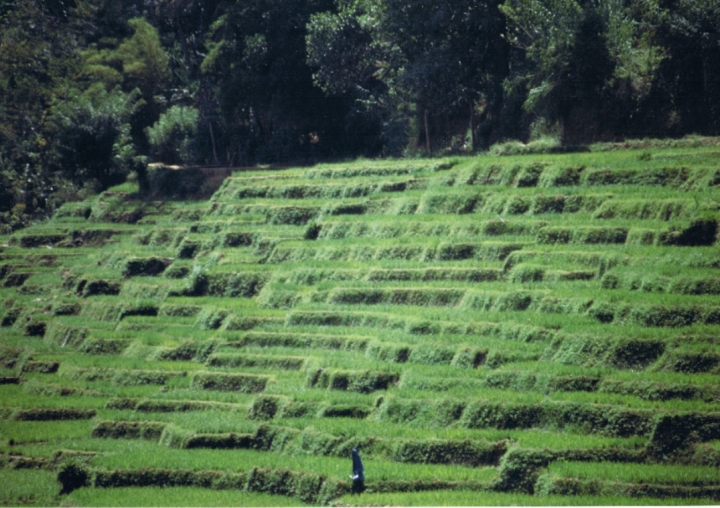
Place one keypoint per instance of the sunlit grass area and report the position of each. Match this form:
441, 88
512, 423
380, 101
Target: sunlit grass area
484, 330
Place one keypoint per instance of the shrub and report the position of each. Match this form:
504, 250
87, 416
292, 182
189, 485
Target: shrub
265, 407
197, 351
432, 355
41, 367
310, 341
671, 176
129, 430
35, 329
122, 403
443, 451
388, 352
305, 486
363, 381
561, 176
151, 266
689, 362
211, 318
245, 284
219, 441
520, 469
548, 204
292, 215
530, 175
181, 406
91, 135
46, 414
73, 476
244, 383
266, 362
171, 137
654, 391
469, 357
159, 477
699, 232
673, 433
345, 411
104, 346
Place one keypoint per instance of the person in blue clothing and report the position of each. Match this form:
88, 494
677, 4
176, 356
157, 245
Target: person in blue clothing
358, 476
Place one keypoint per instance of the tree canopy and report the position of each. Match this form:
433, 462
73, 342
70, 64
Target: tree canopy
236, 82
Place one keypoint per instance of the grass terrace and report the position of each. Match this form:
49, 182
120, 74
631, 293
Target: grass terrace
534, 330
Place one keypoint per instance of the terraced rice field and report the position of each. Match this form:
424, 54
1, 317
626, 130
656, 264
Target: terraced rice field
522, 330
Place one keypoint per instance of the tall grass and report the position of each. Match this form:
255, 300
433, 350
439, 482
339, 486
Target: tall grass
639, 473
176, 496
481, 498
27, 487
488, 294
150, 455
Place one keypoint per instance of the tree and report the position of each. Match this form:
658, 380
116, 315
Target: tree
688, 32
172, 136
349, 59
37, 59
90, 133
138, 62
256, 62
430, 63
590, 62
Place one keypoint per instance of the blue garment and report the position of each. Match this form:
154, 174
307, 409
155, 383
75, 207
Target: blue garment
358, 470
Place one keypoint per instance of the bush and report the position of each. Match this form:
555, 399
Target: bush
530, 175
265, 407
171, 138
219, 441
211, 318
699, 232
197, 351
41, 367
150, 267
73, 476
91, 135
244, 383
388, 352
265, 362
689, 362
181, 406
231, 285
305, 486
673, 433
158, 477
48, 414
363, 381
442, 451
97, 346
129, 430
548, 204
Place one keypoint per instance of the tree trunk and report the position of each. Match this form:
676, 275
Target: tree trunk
473, 139
212, 140
427, 132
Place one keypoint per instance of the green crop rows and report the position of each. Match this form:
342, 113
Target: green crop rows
518, 330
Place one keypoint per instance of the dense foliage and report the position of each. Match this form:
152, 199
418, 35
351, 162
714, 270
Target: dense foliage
90, 89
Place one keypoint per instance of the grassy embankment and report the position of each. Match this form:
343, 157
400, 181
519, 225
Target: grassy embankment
491, 330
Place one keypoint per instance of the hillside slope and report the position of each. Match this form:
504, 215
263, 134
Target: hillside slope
519, 330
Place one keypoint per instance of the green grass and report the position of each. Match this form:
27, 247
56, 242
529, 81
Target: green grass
176, 496
130, 454
14, 396
407, 267
639, 473
533, 438
27, 487
43, 432
480, 498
